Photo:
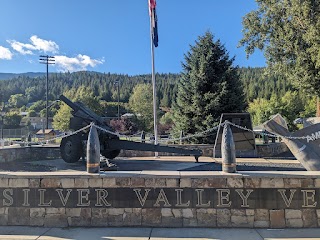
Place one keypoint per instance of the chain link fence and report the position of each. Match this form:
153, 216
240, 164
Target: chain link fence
19, 133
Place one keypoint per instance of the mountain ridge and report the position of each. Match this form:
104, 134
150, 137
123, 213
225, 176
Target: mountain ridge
8, 76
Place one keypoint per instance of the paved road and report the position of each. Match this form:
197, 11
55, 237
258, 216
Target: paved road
156, 233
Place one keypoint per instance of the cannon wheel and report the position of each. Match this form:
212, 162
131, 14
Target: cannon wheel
110, 154
71, 149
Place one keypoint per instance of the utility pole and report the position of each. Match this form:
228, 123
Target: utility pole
45, 59
118, 83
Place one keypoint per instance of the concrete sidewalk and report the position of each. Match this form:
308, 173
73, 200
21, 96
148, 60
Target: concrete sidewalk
12, 232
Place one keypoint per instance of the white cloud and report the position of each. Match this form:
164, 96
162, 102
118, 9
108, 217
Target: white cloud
36, 44
5, 53
63, 63
44, 45
78, 63
21, 47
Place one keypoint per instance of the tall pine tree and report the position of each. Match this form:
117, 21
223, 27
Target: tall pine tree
209, 86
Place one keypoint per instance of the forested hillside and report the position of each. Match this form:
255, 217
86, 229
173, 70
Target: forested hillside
104, 85
257, 84
7, 76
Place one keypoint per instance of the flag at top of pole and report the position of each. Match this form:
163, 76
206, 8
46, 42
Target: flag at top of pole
154, 21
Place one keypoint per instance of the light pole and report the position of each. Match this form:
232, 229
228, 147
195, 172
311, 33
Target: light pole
45, 59
118, 83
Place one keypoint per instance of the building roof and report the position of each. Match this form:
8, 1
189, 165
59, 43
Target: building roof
46, 131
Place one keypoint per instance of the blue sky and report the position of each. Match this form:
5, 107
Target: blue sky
113, 35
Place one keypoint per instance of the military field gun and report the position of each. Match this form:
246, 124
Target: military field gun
72, 147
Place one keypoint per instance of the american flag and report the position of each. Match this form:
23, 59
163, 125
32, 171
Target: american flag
154, 21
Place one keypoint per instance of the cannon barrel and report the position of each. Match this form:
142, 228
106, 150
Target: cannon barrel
71, 104
79, 110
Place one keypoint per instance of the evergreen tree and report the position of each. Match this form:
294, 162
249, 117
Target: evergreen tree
209, 86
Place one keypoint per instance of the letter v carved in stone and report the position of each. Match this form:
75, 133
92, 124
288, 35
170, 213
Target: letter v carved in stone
141, 199
284, 196
64, 199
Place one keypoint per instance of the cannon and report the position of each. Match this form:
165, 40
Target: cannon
72, 147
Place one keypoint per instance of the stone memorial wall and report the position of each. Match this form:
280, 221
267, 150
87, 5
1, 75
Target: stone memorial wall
161, 199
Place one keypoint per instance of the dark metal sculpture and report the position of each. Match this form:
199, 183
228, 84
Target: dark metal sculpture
72, 147
304, 143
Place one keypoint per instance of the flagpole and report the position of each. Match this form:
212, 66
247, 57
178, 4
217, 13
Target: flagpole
153, 87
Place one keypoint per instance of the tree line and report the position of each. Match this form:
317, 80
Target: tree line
104, 85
